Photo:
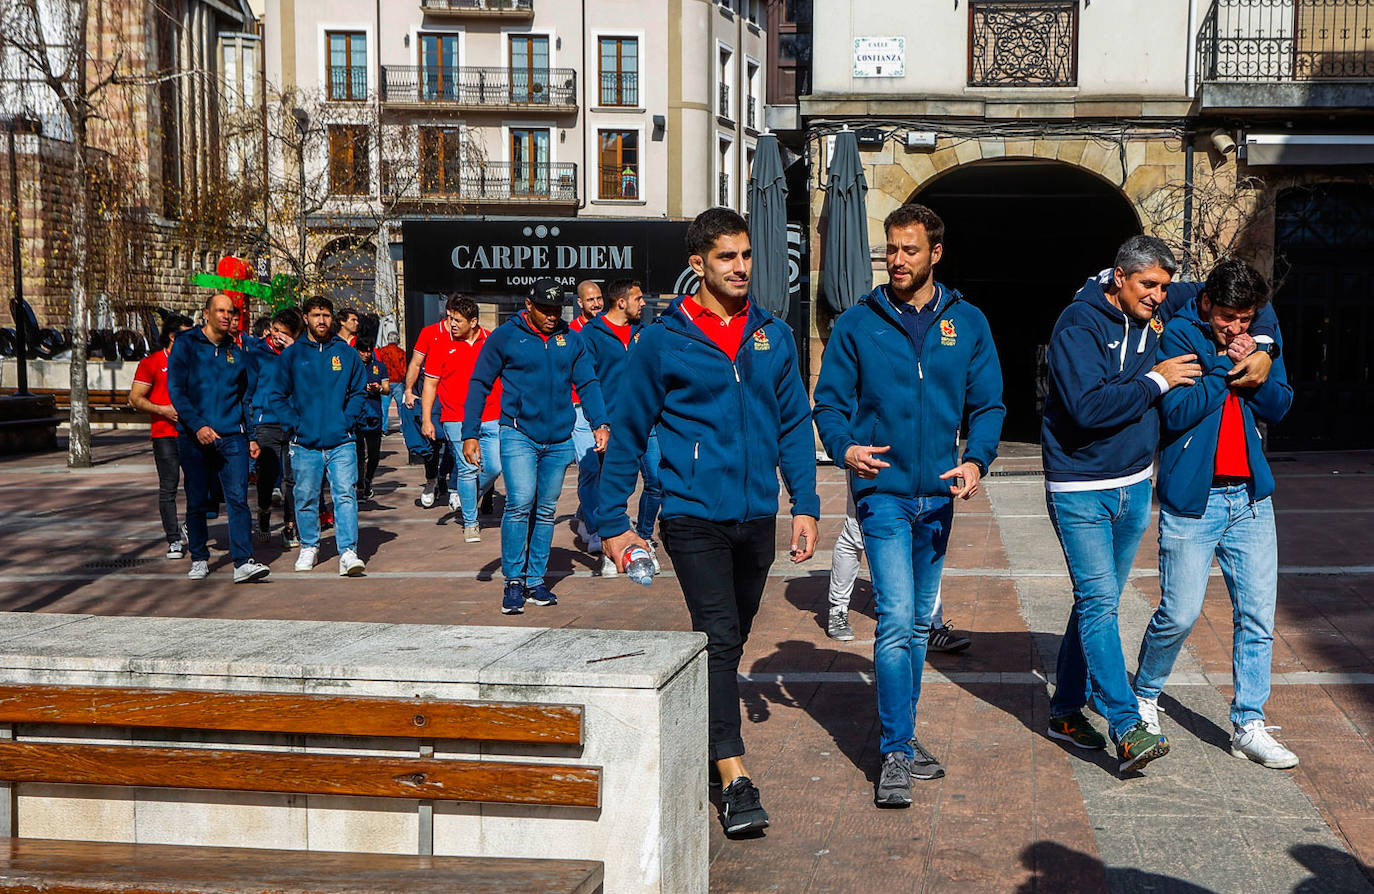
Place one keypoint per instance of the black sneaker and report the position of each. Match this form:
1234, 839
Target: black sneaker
264, 532
923, 763
513, 603
740, 810
894, 781
945, 639
289, 537
487, 506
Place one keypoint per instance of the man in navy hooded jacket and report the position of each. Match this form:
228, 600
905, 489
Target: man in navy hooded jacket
1098, 440
318, 396
716, 376
210, 380
901, 370
539, 360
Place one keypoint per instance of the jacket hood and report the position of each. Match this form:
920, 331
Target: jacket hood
880, 303
520, 321
755, 315
325, 345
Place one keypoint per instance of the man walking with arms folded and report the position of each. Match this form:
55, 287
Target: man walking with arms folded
1214, 495
319, 399
717, 377
537, 360
900, 372
210, 381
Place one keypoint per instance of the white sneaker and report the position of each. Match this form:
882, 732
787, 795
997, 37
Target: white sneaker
427, 495
472, 534
453, 501
608, 568
200, 570
305, 561
1149, 713
1252, 741
176, 550
250, 570
653, 554
350, 565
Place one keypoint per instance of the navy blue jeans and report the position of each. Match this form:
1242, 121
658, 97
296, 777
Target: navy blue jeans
226, 461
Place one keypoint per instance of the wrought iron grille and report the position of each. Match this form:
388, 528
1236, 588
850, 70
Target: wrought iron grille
724, 189
497, 182
749, 118
619, 88
724, 108
347, 82
481, 5
556, 87
1023, 43
619, 182
1287, 40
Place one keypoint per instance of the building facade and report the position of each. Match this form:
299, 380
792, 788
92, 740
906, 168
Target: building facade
483, 143
1047, 131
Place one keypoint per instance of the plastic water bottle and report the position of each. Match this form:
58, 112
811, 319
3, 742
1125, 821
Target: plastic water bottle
639, 565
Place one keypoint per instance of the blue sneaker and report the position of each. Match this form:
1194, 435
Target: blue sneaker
541, 595
514, 601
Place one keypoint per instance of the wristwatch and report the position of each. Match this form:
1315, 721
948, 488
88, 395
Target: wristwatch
982, 469
1271, 348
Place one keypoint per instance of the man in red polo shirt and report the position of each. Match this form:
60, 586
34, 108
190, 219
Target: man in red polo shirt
149, 394
433, 340
447, 373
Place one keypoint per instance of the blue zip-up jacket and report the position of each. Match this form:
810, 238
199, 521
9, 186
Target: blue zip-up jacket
211, 384
374, 373
610, 356
1191, 418
726, 428
536, 377
319, 395
1099, 424
876, 386
269, 369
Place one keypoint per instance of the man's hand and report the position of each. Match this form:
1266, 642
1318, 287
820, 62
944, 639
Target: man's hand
427, 429
206, 435
864, 461
168, 412
1240, 347
472, 450
969, 472
1251, 372
616, 547
410, 400
804, 538
1181, 370
253, 450
602, 437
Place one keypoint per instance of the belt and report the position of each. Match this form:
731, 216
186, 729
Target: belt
1228, 480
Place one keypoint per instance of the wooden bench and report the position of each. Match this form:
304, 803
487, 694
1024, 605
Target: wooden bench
92, 866
110, 404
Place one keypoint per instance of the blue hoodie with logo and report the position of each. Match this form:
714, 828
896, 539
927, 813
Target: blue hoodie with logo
726, 428
1191, 418
319, 395
876, 386
1100, 423
536, 376
211, 384
267, 361
609, 355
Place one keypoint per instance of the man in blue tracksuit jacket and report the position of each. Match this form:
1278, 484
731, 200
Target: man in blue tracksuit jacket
1214, 495
717, 377
1098, 440
319, 398
610, 338
901, 370
539, 361
274, 446
210, 380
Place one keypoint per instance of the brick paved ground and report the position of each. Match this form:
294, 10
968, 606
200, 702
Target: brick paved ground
1016, 812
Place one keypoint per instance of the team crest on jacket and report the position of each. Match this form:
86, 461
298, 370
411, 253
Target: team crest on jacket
560, 341
761, 341
229, 356
336, 364
1157, 326
947, 333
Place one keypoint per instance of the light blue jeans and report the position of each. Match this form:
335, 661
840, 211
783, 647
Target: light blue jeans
393, 395
906, 539
1100, 532
534, 479
469, 482
309, 468
588, 468
1240, 533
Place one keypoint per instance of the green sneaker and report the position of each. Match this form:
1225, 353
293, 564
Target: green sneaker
1077, 731
1140, 746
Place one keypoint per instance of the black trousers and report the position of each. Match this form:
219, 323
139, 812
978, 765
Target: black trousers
369, 443
274, 456
722, 568
168, 463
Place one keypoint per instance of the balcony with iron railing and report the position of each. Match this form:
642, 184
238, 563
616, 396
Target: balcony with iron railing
347, 83
724, 192
723, 110
1023, 43
619, 88
487, 9
1266, 54
478, 89
619, 182
749, 115
490, 183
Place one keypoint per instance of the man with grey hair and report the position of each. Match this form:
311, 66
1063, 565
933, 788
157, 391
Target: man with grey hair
1098, 440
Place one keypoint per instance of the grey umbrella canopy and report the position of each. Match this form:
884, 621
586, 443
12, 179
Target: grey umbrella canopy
768, 227
846, 272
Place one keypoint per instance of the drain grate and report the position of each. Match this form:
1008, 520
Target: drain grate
119, 562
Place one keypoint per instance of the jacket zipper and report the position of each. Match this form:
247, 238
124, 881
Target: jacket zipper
920, 372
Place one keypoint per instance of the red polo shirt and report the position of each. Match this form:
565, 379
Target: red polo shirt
432, 335
152, 371
624, 333
452, 366
727, 334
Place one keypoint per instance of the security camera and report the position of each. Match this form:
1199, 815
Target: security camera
1223, 143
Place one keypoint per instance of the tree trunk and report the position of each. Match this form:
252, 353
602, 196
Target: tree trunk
79, 440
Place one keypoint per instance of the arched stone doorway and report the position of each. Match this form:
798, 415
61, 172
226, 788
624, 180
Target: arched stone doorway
1020, 239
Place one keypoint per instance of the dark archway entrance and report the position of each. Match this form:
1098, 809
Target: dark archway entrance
1020, 239
1324, 245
